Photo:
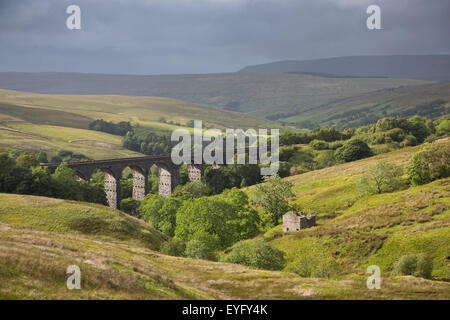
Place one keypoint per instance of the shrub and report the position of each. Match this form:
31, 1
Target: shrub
335, 145
130, 206
380, 178
418, 128
319, 145
409, 141
314, 264
255, 253
424, 266
443, 128
190, 190
429, 164
325, 159
198, 250
353, 150
27, 160
406, 265
418, 265
173, 247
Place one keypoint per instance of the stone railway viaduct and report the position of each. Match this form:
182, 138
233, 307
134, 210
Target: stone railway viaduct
169, 174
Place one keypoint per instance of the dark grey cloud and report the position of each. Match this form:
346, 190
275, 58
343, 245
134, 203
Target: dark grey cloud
204, 36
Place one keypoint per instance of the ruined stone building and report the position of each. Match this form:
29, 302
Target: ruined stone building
295, 221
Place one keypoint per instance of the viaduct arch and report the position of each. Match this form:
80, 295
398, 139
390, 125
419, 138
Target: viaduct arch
169, 174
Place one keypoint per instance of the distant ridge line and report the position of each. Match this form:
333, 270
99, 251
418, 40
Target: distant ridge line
418, 67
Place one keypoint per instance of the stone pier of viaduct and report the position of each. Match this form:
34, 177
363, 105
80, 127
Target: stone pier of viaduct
169, 174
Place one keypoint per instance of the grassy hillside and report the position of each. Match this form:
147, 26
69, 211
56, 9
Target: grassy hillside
17, 134
145, 111
260, 94
42, 237
35, 122
429, 100
71, 217
377, 229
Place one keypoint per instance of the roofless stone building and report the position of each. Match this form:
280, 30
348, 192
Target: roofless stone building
296, 221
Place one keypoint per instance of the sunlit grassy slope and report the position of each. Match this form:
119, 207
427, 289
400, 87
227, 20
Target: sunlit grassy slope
145, 111
376, 229
34, 122
41, 237
16, 134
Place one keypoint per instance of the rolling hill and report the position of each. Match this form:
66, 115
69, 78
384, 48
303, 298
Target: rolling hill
420, 67
373, 230
35, 122
432, 101
118, 264
259, 94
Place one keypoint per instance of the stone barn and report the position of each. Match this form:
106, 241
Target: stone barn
296, 221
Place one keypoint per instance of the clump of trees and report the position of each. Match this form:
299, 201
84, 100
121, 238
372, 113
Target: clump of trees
399, 132
418, 265
62, 156
147, 143
255, 253
119, 129
24, 176
205, 225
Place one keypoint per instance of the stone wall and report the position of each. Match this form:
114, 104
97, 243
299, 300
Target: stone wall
296, 221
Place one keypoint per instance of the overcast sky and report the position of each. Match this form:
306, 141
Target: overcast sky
207, 36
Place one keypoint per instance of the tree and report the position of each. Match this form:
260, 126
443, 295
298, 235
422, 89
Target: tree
168, 216
418, 128
272, 196
27, 160
67, 186
130, 141
352, 150
42, 157
42, 181
318, 145
247, 221
130, 206
443, 129
150, 209
255, 253
7, 164
190, 190
126, 188
324, 159
173, 247
430, 164
19, 181
381, 177
207, 215
419, 265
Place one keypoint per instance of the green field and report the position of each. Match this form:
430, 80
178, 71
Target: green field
41, 237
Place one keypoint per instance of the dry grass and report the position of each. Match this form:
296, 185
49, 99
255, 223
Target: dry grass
33, 265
